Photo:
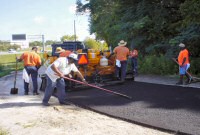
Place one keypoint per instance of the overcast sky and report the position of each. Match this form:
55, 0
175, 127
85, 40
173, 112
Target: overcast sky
53, 18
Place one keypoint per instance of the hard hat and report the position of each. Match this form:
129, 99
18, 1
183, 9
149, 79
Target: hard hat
73, 56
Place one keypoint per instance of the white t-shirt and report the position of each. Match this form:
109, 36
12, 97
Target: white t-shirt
63, 66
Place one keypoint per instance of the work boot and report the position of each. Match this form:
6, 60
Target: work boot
117, 78
122, 81
189, 79
64, 103
45, 104
180, 82
36, 93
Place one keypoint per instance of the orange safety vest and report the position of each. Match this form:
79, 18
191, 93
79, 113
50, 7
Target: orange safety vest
183, 54
121, 52
31, 59
134, 53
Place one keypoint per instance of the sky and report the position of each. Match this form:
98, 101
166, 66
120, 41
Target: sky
51, 18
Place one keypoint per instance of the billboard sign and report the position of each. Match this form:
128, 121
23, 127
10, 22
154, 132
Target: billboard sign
18, 36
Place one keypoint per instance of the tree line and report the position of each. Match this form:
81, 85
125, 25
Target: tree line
89, 43
155, 27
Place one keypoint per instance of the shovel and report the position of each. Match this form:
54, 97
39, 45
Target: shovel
14, 90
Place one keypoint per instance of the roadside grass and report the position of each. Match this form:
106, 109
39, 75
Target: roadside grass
8, 64
7, 58
3, 132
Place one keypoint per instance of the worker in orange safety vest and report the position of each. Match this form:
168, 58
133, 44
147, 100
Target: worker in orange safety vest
134, 62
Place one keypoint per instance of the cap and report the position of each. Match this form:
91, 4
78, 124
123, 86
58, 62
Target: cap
181, 45
73, 56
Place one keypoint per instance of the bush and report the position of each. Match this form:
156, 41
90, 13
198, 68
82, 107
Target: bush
157, 65
165, 66
195, 66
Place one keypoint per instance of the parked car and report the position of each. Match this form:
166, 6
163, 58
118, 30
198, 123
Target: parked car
12, 51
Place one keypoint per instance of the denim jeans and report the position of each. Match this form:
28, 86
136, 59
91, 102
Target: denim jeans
60, 85
134, 64
123, 70
33, 71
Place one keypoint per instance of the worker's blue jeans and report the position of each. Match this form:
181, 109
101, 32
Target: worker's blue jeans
60, 86
33, 71
123, 70
134, 64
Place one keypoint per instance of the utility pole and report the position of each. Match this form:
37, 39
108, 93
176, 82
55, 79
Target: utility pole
43, 44
75, 30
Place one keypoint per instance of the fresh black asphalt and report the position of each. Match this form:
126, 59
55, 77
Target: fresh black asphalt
172, 108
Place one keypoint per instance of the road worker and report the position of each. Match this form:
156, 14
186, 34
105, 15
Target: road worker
32, 63
134, 62
122, 53
62, 52
55, 73
184, 64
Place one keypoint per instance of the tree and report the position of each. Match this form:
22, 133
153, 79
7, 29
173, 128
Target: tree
50, 42
97, 45
5, 46
68, 38
35, 43
155, 27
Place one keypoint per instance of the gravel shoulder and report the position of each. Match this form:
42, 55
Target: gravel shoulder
21, 115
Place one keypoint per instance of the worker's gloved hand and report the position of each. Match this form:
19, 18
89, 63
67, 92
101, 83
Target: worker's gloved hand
61, 75
175, 59
70, 76
18, 59
84, 81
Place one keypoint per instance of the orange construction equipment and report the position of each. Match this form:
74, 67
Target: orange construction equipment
95, 66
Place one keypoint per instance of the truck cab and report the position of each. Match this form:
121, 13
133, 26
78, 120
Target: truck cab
68, 45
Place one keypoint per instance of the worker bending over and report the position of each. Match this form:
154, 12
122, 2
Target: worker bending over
55, 73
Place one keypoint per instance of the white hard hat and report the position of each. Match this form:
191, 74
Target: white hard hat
73, 56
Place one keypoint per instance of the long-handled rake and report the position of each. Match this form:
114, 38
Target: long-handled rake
113, 92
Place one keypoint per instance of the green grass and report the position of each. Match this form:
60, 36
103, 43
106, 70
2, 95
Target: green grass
3, 132
7, 63
7, 58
